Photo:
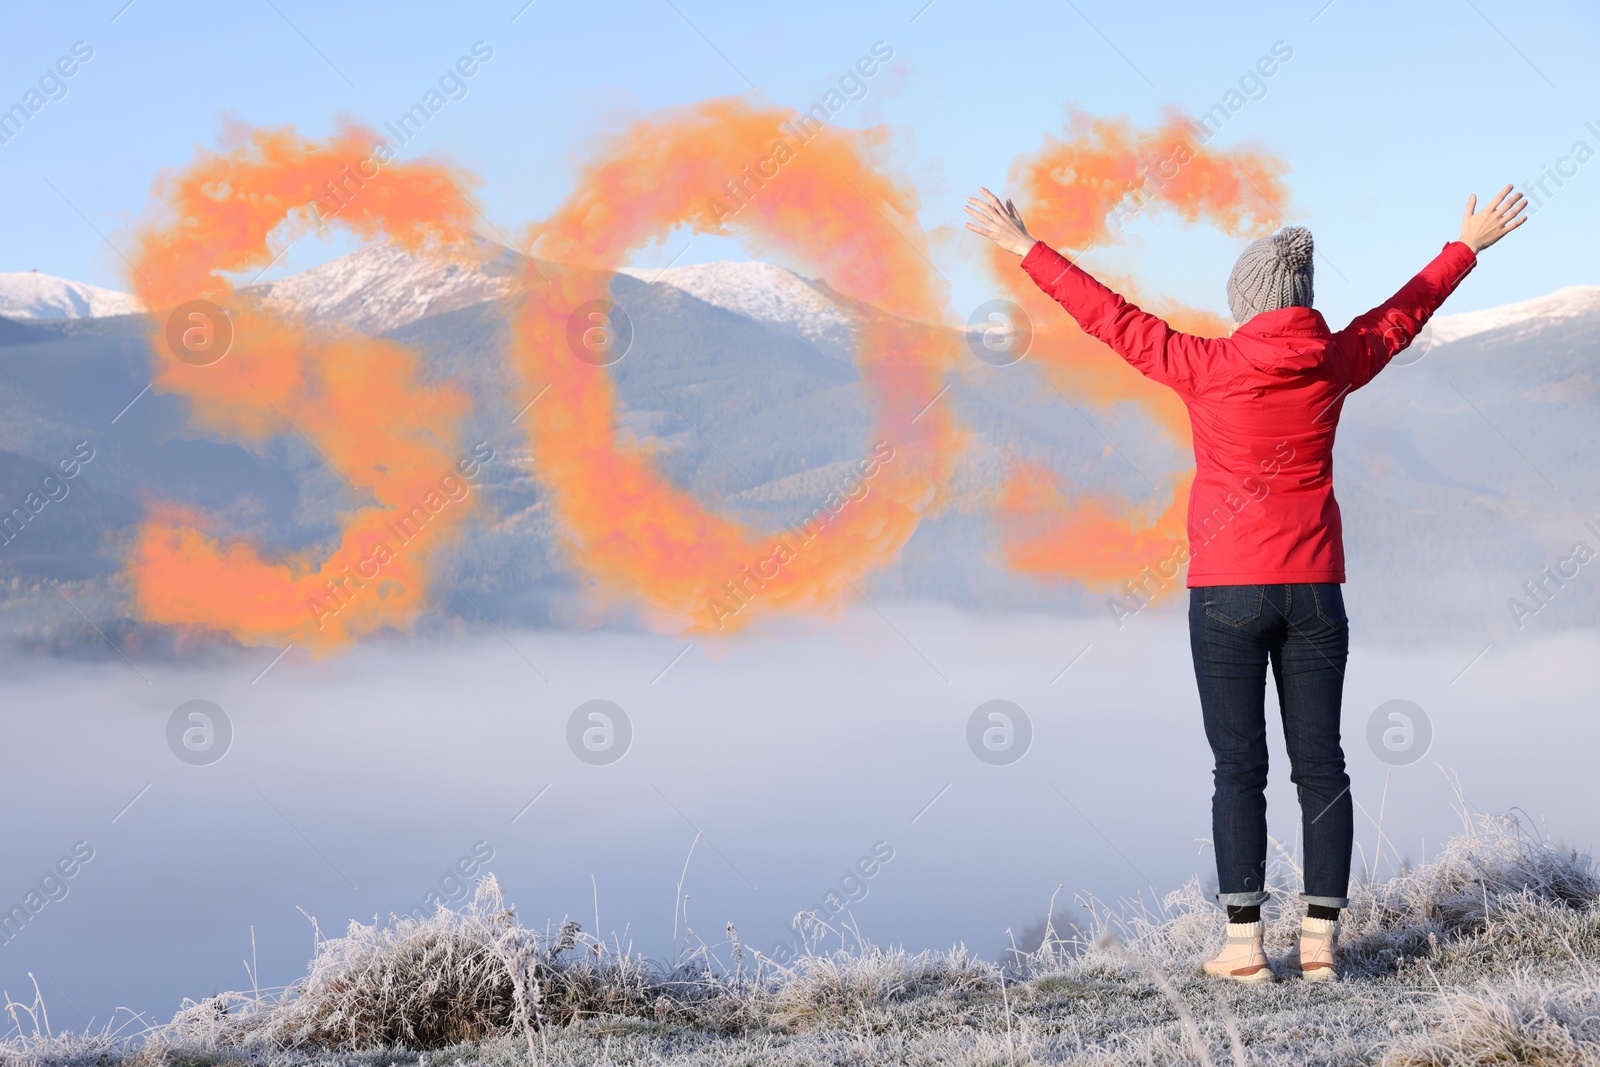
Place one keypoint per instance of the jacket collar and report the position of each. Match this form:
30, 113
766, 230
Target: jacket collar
1286, 322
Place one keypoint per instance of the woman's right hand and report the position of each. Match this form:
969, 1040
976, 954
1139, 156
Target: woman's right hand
1481, 229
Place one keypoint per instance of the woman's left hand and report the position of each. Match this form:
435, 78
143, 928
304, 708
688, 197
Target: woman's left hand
999, 222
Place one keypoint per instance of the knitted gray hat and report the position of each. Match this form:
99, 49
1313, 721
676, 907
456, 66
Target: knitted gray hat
1273, 273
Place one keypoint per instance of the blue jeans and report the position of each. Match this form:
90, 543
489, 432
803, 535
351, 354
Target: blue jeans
1302, 630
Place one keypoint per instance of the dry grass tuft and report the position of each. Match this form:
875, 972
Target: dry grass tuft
1521, 1020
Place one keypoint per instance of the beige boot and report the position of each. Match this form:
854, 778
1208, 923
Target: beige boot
1315, 954
1242, 958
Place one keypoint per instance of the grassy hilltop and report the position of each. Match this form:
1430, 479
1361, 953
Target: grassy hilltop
1486, 954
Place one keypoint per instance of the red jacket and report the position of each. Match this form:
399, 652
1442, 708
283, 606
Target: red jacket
1264, 405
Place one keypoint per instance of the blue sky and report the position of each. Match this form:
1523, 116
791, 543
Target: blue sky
1388, 114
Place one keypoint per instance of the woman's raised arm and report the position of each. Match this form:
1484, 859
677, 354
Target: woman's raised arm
1151, 346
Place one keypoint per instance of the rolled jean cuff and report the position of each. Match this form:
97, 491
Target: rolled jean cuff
1242, 900
1326, 902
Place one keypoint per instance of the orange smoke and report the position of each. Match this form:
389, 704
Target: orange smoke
793, 189
1076, 194
1055, 530
357, 401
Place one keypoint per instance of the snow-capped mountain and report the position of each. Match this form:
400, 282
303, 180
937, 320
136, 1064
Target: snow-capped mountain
31, 295
763, 292
1570, 302
382, 287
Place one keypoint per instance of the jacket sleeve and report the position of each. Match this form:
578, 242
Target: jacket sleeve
1373, 339
1152, 347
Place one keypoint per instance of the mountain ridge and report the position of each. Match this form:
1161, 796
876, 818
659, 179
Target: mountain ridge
26, 295
381, 287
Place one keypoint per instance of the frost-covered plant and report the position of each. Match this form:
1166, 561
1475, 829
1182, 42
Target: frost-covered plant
1518, 1020
32, 1042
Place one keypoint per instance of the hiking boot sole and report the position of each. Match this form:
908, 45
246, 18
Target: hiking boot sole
1247, 975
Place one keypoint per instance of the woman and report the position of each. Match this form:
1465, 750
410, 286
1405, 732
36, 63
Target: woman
1266, 556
